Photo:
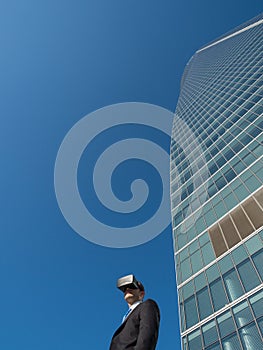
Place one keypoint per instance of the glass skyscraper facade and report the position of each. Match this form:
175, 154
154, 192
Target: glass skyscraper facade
217, 210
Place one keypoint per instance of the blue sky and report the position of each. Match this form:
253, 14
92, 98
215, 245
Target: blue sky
61, 60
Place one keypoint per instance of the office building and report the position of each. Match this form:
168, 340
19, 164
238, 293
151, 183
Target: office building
217, 193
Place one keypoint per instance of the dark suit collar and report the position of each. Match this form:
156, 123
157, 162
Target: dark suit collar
136, 309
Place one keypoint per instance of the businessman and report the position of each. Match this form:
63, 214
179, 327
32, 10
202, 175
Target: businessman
140, 325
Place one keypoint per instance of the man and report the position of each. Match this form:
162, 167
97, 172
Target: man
140, 325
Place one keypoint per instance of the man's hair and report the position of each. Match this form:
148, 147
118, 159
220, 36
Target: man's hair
140, 285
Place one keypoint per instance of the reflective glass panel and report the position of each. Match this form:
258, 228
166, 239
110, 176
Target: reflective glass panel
204, 304
190, 312
196, 261
231, 343
248, 275
257, 304
260, 324
225, 324
208, 253
254, 244
215, 346
218, 294
233, 286
242, 314
258, 261
250, 337
200, 281
210, 333
194, 341
225, 264
239, 254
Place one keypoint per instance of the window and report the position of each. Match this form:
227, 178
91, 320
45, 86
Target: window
248, 275
242, 314
229, 231
194, 341
250, 337
218, 294
225, 264
231, 342
204, 304
260, 324
210, 333
239, 254
196, 260
182, 317
225, 324
215, 346
190, 312
239, 224
242, 223
186, 269
254, 211
208, 253
217, 240
232, 284
257, 304
258, 259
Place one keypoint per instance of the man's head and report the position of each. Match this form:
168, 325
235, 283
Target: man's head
133, 290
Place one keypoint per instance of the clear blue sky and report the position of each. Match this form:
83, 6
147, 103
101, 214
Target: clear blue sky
61, 60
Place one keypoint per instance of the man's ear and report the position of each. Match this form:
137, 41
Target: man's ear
142, 294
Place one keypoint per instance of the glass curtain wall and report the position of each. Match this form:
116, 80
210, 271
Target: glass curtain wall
217, 200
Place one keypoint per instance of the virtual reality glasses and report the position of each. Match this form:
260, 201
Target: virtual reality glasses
129, 281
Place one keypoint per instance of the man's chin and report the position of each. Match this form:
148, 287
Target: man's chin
129, 298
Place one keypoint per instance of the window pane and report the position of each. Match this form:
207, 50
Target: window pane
212, 273
233, 286
242, 314
248, 275
218, 294
229, 231
217, 240
257, 304
258, 261
208, 253
186, 269
182, 317
196, 261
184, 342
204, 305
210, 333
231, 343
204, 238
260, 324
188, 290
239, 254
254, 244
215, 346
190, 312
226, 324
250, 337
200, 281
194, 341
242, 223
225, 264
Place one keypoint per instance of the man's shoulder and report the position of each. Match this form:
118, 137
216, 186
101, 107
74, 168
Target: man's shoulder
150, 303
149, 308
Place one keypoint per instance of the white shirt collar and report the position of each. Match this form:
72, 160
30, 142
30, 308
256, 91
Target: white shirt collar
133, 306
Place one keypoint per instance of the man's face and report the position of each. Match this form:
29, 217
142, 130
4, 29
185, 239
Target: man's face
133, 295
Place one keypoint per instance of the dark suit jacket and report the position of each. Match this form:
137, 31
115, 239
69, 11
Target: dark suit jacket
140, 329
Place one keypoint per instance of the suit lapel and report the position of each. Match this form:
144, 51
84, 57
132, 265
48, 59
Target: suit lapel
124, 322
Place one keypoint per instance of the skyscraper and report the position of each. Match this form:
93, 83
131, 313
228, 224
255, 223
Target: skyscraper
217, 198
